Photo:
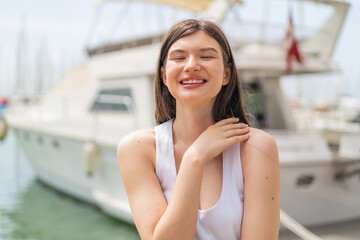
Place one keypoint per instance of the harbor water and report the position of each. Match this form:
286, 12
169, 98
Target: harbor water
30, 210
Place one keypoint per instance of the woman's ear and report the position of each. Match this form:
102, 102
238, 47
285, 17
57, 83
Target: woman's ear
227, 74
163, 75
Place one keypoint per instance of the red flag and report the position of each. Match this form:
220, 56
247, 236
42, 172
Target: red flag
3, 101
291, 45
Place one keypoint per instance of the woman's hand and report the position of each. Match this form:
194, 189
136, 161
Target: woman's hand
217, 137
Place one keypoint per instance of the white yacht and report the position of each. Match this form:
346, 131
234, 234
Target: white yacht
70, 135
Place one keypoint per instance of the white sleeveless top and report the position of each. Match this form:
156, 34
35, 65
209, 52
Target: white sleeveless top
221, 221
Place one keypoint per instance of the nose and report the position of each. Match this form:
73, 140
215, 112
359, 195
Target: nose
191, 64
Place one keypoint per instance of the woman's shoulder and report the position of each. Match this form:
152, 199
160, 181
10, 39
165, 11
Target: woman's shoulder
144, 136
140, 142
260, 137
260, 141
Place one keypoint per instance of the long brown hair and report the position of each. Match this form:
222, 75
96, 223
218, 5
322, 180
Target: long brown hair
228, 102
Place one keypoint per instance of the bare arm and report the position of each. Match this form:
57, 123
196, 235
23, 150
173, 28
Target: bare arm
136, 155
155, 219
260, 163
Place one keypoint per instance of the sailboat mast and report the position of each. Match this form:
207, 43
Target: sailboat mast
21, 60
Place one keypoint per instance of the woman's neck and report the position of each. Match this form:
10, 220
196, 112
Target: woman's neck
191, 121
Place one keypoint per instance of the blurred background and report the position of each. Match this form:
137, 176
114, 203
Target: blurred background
51, 48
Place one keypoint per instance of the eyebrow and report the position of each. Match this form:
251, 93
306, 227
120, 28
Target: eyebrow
176, 51
201, 50
208, 49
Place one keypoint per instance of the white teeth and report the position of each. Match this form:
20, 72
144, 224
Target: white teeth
192, 81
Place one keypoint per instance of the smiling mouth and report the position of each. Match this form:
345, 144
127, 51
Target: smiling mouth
192, 82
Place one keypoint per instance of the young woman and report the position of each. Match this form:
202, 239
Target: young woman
200, 174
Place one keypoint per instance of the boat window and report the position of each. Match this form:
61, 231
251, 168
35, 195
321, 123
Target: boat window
119, 100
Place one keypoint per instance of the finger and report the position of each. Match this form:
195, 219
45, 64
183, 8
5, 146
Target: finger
226, 121
236, 132
234, 126
237, 139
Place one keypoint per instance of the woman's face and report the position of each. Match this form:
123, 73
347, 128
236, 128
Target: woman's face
194, 68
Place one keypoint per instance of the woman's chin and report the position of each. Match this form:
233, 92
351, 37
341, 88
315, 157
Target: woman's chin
195, 99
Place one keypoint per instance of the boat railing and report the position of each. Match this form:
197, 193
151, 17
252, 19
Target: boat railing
296, 228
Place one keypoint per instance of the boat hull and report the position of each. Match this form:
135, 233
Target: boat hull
313, 196
60, 162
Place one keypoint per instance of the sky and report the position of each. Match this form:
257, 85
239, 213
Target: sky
56, 32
